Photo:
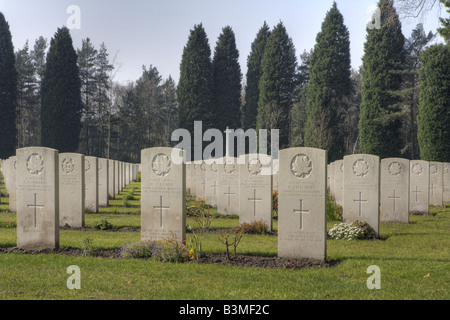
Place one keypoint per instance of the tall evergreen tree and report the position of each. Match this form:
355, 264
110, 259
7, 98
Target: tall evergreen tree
194, 91
328, 86
254, 59
434, 109
8, 92
277, 84
227, 78
61, 95
444, 31
384, 56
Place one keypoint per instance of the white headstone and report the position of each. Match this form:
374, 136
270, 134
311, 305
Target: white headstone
419, 185
394, 193
446, 183
37, 198
111, 179
212, 184
436, 183
71, 189
362, 190
338, 184
228, 191
163, 185
103, 182
302, 203
91, 183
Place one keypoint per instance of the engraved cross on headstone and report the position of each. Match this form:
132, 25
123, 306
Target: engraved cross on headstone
394, 197
214, 186
301, 211
360, 200
229, 195
160, 207
432, 188
35, 206
254, 199
416, 192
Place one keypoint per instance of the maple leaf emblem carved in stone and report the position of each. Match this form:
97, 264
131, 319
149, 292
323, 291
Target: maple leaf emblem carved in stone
161, 165
433, 169
395, 168
417, 169
35, 164
87, 165
68, 166
301, 166
254, 167
229, 168
360, 168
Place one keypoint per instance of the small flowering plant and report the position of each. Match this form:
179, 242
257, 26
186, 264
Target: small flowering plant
351, 231
8, 224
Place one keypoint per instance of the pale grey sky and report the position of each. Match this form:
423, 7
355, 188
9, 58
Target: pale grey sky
148, 32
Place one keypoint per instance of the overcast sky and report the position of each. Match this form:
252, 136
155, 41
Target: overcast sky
148, 32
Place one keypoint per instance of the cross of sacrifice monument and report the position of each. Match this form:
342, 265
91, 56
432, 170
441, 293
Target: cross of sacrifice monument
360, 200
254, 199
394, 197
35, 206
301, 211
160, 207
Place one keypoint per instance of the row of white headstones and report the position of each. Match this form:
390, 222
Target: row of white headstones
242, 186
49, 190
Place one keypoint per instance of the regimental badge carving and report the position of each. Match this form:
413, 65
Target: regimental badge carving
417, 169
87, 165
360, 168
433, 169
213, 167
254, 166
203, 166
35, 164
445, 168
301, 166
229, 168
100, 166
395, 168
67, 166
161, 165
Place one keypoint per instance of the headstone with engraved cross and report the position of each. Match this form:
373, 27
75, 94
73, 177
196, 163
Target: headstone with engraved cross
163, 185
419, 184
103, 182
211, 182
436, 183
338, 183
71, 189
446, 183
91, 183
255, 194
228, 190
37, 198
394, 192
362, 189
302, 203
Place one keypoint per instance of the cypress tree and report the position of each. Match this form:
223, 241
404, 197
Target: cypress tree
329, 84
254, 59
384, 56
8, 92
194, 91
277, 84
61, 104
434, 104
227, 78
444, 31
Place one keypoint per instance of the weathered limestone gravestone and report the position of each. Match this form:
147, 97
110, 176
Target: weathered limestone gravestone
362, 189
419, 185
111, 178
163, 185
255, 189
211, 182
302, 203
200, 189
71, 189
188, 178
91, 183
338, 184
446, 183
394, 193
228, 191
116, 177
37, 198
103, 182
436, 183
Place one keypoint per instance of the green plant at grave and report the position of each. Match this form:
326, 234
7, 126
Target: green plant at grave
255, 227
8, 224
128, 196
195, 247
168, 250
275, 204
138, 177
87, 248
103, 225
230, 239
126, 203
351, 231
114, 210
334, 211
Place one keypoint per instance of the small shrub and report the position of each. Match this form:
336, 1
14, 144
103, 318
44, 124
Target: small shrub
275, 204
164, 251
8, 224
230, 239
351, 231
334, 211
102, 225
256, 227
195, 247
138, 177
88, 248
128, 196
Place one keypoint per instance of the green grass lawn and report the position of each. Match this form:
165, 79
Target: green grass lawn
414, 261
